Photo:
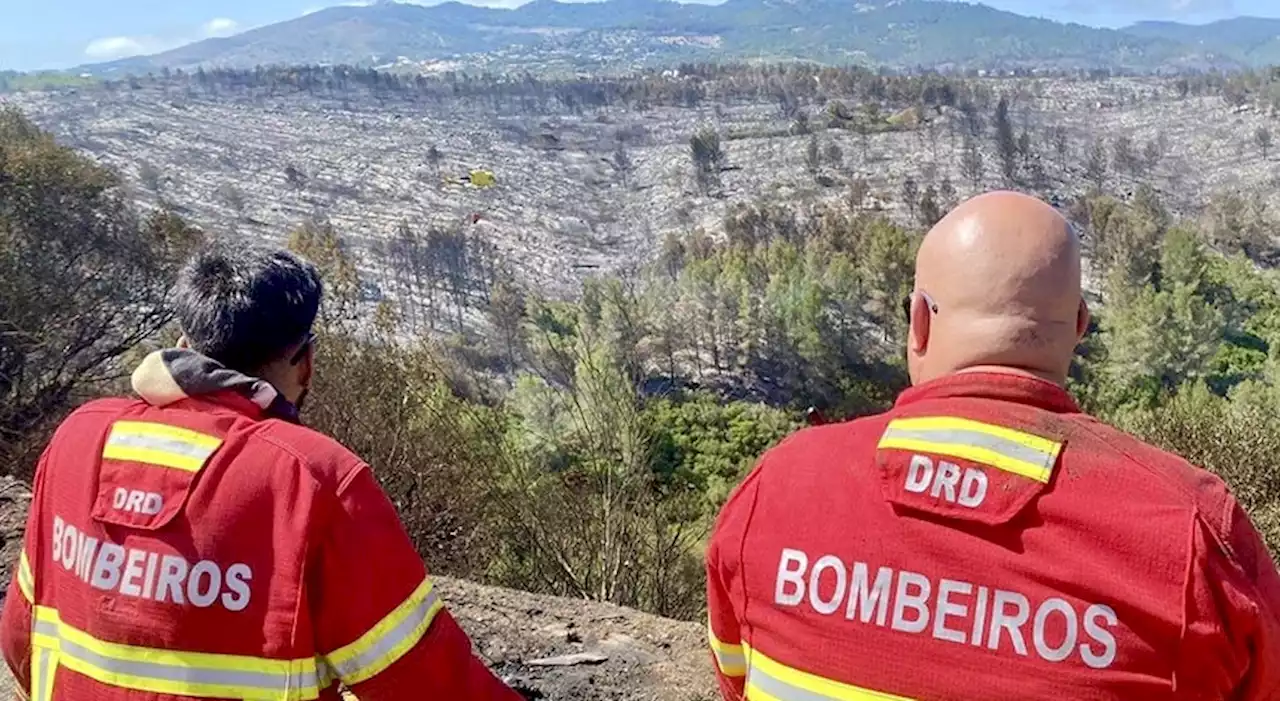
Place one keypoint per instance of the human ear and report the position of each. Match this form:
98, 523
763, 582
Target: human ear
921, 320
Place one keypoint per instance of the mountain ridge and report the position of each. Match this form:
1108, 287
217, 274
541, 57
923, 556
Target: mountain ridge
630, 34
1250, 40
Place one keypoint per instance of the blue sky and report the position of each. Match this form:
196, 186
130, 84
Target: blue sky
64, 33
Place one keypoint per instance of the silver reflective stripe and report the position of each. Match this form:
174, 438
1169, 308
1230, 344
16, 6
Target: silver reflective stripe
165, 445
730, 660
780, 689
181, 673
40, 691
390, 639
977, 439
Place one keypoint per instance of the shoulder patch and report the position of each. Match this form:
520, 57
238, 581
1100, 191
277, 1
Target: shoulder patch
1015, 452
962, 468
147, 470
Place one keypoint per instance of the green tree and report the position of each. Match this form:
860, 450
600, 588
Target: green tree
708, 446
83, 280
887, 267
1236, 223
708, 159
1237, 439
506, 312
1169, 335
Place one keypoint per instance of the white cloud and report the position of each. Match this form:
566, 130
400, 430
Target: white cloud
108, 48
220, 27
111, 48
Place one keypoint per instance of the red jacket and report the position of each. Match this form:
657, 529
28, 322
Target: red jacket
986, 540
202, 549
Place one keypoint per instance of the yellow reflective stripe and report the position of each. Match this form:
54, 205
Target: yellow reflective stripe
729, 658
44, 668
26, 581
160, 444
389, 639
1020, 453
197, 674
769, 680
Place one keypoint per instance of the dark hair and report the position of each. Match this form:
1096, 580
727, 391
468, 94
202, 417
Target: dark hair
246, 309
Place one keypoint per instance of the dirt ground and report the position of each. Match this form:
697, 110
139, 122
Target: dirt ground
528, 640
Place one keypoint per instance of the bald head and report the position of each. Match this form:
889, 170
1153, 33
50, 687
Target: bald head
1004, 271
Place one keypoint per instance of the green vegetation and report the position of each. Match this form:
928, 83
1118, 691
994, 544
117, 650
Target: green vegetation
583, 447
602, 37
12, 81
82, 281
1250, 40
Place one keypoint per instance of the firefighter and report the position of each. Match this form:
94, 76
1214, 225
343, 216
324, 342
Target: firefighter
198, 541
984, 539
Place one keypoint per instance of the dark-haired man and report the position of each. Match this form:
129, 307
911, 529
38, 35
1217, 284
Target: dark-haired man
198, 541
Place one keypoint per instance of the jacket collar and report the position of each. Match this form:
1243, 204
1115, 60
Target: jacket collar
1019, 389
174, 374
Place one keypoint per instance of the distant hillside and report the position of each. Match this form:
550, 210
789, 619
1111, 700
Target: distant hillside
1250, 40
623, 34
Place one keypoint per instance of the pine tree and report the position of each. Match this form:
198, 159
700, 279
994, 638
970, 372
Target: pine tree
1006, 142
1095, 167
506, 312
707, 157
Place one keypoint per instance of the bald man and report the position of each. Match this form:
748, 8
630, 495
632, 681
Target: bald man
984, 539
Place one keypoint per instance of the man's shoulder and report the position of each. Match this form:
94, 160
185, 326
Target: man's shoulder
97, 409
326, 459
95, 414
804, 459
1089, 444
818, 441
1166, 475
